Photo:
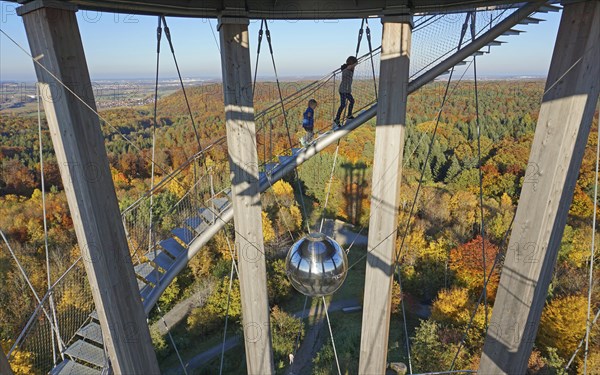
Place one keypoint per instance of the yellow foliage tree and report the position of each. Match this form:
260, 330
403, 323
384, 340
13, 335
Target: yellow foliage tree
177, 188
593, 363
267, 227
563, 324
296, 217
283, 190
452, 306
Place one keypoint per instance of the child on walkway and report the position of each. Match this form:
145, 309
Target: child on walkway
346, 89
308, 122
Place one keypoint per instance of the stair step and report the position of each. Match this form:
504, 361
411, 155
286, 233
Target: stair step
207, 215
530, 20
146, 291
197, 224
513, 32
494, 43
172, 247
141, 284
296, 150
160, 258
91, 332
262, 175
147, 272
219, 203
478, 53
94, 315
69, 367
285, 159
86, 352
184, 235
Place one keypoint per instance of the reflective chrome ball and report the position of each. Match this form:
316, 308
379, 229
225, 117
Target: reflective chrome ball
316, 265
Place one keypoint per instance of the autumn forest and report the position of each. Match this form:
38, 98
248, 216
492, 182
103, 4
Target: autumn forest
441, 266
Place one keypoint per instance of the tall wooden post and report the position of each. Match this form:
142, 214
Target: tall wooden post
387, 172
55, 43
560, 139
243, 161
4, 365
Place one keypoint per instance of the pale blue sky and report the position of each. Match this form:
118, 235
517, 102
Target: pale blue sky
121, 46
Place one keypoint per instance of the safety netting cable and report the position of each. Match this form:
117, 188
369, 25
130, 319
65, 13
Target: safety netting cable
45, 224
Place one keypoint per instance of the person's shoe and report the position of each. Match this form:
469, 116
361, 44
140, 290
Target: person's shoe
350, 118
336, 124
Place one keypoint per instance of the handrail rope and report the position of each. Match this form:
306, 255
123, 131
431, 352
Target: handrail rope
592, 255
221, 219
337, 361
358, 109
479, 165
171, 176
45, 223
300, 191
325, 78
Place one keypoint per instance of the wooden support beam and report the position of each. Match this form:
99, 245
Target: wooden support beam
55, 43
4, 365
560, 139
387, 173
243, 162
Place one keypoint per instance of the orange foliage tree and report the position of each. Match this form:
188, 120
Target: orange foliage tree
467, 263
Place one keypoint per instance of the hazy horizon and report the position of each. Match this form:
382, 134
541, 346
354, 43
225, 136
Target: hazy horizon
123, 47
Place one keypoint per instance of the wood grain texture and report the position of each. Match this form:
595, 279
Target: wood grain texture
556, 153
247, 216
55, 41
387, 174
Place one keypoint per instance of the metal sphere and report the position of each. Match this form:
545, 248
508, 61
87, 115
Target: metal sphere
316, 265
